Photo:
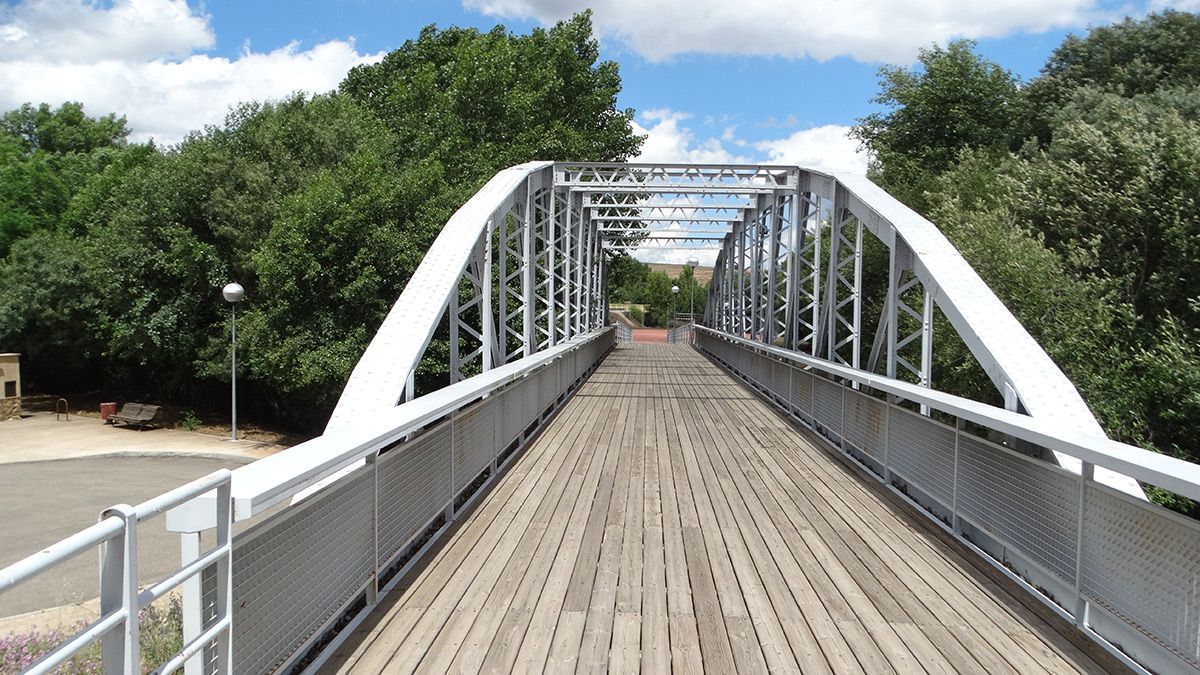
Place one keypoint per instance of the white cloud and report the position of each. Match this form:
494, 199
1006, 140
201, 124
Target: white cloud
669, 141
138, 58
1181, 5
867, 30
78, 32
676, 256
827, 148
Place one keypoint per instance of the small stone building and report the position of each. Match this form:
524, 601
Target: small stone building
10, 381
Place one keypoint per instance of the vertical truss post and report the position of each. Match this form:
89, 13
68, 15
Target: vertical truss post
756, 271
512, 274
726, 288
901, 315
773, 225
816, 276
452, 317
571, 266
462, 321
842, 292
589, 276
711, 308
856, 355
500, 223
551, 269
791, 318
528, 277
897, 263
577, 258
743, 313
488, 320
926, 375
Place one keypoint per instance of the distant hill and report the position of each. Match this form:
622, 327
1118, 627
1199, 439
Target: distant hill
703, 274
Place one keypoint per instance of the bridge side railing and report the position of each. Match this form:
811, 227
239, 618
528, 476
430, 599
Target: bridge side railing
685, 334
306, 575
118, 629
1125, 570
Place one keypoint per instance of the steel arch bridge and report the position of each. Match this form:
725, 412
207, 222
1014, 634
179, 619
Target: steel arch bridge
740, 500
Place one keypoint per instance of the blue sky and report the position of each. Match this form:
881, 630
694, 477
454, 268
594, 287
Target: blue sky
753, 80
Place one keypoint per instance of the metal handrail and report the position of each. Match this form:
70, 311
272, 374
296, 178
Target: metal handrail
1150, 467
120, 602
268, 481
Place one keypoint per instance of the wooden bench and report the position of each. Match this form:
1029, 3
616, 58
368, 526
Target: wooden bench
135, 413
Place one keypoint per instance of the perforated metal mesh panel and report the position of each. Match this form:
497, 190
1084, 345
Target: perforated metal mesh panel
922, 451
1143, 563
781, 379
512, 422
414, 487
1026, 504
864, 423
744, 361
474, 441
303, 563
1140, 562
827, 404
762, 370
802, 384
296, 569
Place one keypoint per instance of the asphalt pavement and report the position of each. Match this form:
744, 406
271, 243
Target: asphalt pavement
57, 476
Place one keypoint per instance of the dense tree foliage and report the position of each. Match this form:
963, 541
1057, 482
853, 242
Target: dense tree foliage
45, 156
1084, 217
632, 281
320, 206
474, 102
955, 101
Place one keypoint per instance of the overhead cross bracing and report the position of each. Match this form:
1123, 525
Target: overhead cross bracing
670, 520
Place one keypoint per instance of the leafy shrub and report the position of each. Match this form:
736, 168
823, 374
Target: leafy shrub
190, 422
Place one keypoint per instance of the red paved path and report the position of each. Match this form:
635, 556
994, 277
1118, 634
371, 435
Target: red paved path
650, 335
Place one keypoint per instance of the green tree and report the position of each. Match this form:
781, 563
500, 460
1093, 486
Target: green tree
956, 100
50, 309
63, 130
1131, 58
1116, 193
46, 156
626, 278
321, 207
478, 102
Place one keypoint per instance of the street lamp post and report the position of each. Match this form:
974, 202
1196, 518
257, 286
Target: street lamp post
233, 293
693, 263
674, 295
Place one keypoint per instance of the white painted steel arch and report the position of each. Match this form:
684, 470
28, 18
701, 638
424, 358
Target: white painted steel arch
520, 267
379, 378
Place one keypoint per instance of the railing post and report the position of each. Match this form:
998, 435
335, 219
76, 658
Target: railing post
1086, 473
842, 426
119, 593
373, 587
954, 522
887, 438
193, 612
224, 656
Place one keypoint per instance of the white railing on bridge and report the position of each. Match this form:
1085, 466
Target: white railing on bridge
351, 540
118, 628
624, 333
1126, 571
685, 334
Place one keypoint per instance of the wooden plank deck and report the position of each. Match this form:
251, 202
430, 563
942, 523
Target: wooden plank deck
669, 520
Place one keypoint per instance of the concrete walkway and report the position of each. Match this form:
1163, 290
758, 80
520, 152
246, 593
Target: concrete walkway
41, 438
